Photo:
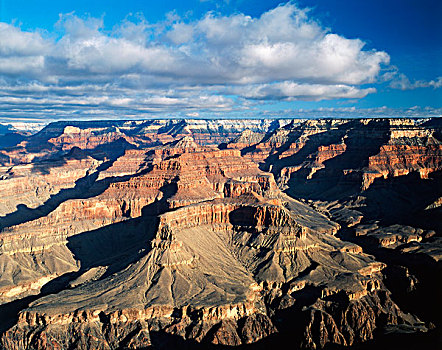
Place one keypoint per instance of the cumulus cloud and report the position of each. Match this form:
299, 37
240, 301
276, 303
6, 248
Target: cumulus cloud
180, 33
15, 42
401, 81
281, 55
21, 53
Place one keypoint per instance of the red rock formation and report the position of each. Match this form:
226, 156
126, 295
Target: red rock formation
33, 184
401, 159
196, 242
328, 152
86, 139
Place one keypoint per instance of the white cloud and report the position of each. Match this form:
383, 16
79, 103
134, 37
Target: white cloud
28, 65
15, 42
401, 81
21, 53
282, 44
138, 66
293, 91
136, 30
180, 33
80, 28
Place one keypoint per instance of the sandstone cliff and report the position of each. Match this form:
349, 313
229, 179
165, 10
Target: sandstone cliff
219, 233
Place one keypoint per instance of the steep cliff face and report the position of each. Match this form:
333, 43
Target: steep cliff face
345, 152
185, 278
412, 149
109, 139
31, 185
137, 234
247, 138
134, 182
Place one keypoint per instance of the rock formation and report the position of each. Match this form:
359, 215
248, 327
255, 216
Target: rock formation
220, 233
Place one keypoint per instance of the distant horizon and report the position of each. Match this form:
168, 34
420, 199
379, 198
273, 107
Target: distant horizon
36, 126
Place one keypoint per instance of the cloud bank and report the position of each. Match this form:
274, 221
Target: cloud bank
216, 63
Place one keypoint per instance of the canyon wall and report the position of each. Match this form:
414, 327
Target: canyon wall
200, 233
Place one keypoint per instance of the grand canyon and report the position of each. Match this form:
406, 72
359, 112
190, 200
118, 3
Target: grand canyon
201, 234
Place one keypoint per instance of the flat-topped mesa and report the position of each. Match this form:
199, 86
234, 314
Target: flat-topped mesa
166, 280
278, 258
87, 138
231, 214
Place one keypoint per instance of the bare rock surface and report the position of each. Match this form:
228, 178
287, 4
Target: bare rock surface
173, 233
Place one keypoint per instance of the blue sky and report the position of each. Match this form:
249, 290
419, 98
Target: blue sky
240, 58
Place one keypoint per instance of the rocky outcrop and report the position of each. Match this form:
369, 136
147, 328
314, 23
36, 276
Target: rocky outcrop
31, 185
193, 252
344, 152
111, 137
353, 322
247, 138
130, 234
401, 159
392, 236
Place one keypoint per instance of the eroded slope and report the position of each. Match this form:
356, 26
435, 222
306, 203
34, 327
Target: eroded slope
146, 233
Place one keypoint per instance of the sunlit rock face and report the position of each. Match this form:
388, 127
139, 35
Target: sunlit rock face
198, 233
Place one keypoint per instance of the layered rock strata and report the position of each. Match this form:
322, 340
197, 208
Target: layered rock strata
185, 280
137, 234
